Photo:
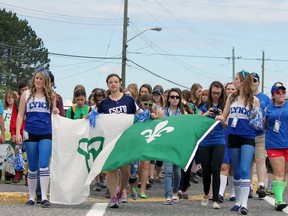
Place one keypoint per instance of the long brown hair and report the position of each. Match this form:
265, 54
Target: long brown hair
180, 104
193, 90
222, 98
248, 89
7, 95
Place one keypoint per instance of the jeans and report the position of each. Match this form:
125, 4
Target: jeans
171, 170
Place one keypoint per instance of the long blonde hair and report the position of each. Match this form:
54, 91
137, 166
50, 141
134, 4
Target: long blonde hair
47, 89
248, 89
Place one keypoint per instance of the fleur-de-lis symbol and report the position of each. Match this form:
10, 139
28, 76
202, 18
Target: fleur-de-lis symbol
160, 127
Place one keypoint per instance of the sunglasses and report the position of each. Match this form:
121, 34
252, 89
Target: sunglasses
174, 97
147, 104
280, 91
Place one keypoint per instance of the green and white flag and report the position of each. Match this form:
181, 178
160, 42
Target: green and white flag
81, 152
75, 146
174, 139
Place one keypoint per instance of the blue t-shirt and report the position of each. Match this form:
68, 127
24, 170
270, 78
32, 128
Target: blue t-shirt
264, 102
274, 140
125, 104
243, 128
217, 135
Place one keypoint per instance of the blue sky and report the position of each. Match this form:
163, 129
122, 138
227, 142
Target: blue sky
194, 45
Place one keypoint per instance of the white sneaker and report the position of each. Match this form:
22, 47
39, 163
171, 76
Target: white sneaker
168, 201
175, 199
215, 205
204, 202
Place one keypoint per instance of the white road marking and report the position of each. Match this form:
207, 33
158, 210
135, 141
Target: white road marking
271, 201
97, 209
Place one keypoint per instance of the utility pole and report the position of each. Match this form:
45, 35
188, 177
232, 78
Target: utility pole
233, 64
263, 59
124, 45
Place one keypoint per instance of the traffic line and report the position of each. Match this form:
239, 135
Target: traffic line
97, 209
271, 201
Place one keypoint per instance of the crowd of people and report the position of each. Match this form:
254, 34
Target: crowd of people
226, 155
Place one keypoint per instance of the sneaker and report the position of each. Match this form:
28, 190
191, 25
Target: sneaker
269, 191
204, 201
45, 204
148, 186
157, 180
107, 194
235, 208
232, 199
183, 196
250, 193
175, 199
119, 194
244, 210
220, 199
168, 201
261, 192
30, 202
143, 196
215, 205
280, 206
7, 181
124, 200
97, 187
134, 195
114, 203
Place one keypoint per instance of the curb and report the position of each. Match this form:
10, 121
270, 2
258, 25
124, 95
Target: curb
13, 197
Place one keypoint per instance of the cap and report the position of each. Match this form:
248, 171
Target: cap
276, 86
157, 90
255, 76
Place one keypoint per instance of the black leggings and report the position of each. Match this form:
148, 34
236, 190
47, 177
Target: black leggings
211, 161
185, 178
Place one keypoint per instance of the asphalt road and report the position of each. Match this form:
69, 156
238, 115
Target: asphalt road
14, 196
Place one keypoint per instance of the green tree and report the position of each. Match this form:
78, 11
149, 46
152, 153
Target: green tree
21, 51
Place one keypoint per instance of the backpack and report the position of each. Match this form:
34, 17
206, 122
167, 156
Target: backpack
73, 110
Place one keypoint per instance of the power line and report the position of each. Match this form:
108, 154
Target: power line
235, 6
57, 54
149, 71
181, 55
57, 14
213, 57
70, 22
177, 61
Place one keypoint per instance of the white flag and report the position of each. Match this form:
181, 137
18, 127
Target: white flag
75, 146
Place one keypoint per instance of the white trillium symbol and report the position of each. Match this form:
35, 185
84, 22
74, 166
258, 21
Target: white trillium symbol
151, 135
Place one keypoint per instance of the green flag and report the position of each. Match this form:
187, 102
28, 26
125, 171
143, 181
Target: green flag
174, 139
